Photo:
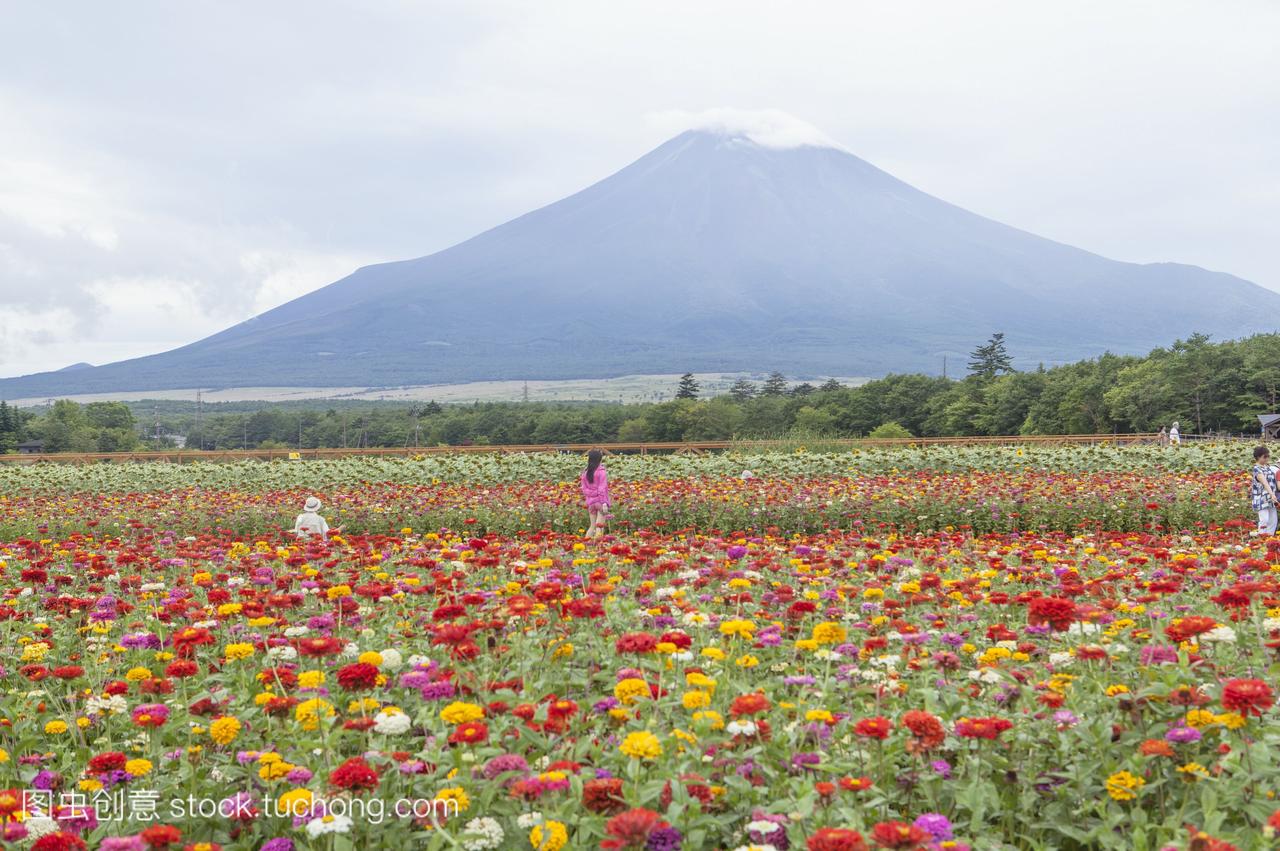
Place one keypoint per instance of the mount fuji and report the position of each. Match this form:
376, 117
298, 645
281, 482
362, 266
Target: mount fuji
723, 249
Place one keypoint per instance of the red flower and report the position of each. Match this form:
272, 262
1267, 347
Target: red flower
185, 642
749, 704
603, 796
319, 646
470, 733
161, 836
896, 834
354, 774
68, 672
358, 676
109, 761
873, 728
1054, 611
926, 730
1248, 697
982, 728
1189, 628
58, 842
632, 828
836, 839
636, 642
855, 784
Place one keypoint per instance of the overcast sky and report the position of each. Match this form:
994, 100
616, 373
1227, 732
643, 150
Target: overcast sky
168, 169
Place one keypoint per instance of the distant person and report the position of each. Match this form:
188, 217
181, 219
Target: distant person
309, 522
747, 475
595, 490
1175, 436
1163, 437
1262, 491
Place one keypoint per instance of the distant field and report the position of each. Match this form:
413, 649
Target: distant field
628, 388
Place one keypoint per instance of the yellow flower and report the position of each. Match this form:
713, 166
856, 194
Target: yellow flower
713, 653
1230, 720
224, 730
56, 728
4, 756
1112, 691
808, 645
641, 745
296, 802
309, 712
696, 699
747, 661
371, 657
457, 795
548, 836
135, 675
138, 767
460, 713
275, 769
710, 717
235, 652
564, 651
1200, 718
628, 691
700, 680
311, 679
1193, 771
741, 628
829, 633
1123, 786
819, 715
338, 591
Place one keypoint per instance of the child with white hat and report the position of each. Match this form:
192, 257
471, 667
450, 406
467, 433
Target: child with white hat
310, 522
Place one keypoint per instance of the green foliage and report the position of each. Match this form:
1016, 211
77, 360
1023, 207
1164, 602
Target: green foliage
889, 430
688, 387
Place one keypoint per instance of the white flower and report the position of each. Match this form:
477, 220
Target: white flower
296, 631
755, 848
528, 821
352, 650
391, 722
391, 659
328, 824
1060, 660
284, 653
682, 656
38, 826
235, 581
741, 728
205, 624
418, 659
482, 834
1224, 634
1270, 623
152, 586
762, 826
1079, 628
986, 675
695, 619
1007, 645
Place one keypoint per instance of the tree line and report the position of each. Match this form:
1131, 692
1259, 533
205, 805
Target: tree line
1208, 387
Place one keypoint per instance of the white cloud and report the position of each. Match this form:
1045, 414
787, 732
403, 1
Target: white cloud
769, 128
1143, 131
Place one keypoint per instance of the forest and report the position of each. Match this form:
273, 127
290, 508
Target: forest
1210, 388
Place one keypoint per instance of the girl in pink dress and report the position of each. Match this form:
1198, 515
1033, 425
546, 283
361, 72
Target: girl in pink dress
595, 490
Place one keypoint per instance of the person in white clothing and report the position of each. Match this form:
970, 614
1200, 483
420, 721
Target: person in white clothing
1175, 437
310, 522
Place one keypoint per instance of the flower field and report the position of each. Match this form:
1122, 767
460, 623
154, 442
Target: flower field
982, 653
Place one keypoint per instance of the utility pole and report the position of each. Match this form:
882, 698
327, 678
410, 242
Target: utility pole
944, 366
199, 402
526, 391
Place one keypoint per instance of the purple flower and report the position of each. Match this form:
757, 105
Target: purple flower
936, 824
503, 764
122, 843
1065, 718
942, 768
1158, 654
736, 552
802, 761
1182, 735
664, 839
280, 843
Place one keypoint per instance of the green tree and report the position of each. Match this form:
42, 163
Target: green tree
774, 385
889, 430
810, 420
742, 391
688, 387
991, 359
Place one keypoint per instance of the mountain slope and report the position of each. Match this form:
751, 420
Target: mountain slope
712, 252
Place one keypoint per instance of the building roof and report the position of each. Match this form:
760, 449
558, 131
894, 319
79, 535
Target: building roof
1268, 419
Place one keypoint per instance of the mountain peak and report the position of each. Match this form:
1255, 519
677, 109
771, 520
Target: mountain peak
768, 128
